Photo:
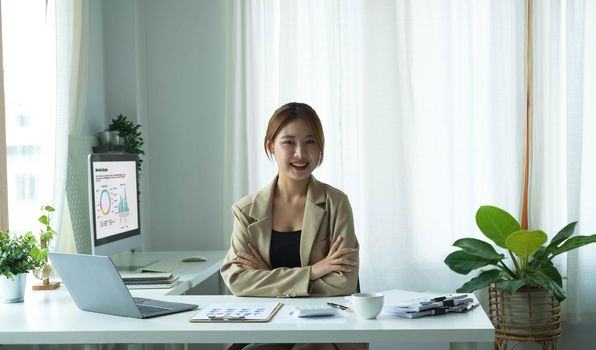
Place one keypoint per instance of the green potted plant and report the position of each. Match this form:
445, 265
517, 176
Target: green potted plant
531, 262
131, 135
524, 292
18, 256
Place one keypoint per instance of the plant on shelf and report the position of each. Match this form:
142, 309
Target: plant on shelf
531, 262
131, 133
45, 236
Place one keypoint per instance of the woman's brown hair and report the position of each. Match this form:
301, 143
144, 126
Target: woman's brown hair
290, 112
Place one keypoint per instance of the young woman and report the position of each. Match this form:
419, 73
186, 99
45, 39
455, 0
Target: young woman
296, 236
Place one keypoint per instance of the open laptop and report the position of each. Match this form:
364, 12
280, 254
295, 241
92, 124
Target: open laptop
96, 285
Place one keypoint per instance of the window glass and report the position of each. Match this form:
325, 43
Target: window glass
29, 82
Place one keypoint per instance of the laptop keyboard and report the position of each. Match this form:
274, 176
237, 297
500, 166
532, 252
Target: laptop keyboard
147, 309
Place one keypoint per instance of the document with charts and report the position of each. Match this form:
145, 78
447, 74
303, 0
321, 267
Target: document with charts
237, 312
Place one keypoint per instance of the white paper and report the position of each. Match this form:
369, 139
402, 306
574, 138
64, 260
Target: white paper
246, 311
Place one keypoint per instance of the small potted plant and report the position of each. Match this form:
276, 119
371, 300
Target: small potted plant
131, 135
18, 256
45, 236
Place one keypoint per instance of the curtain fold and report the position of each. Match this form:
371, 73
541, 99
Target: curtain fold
443, 123
71, 51
581, 152
3, 172
564, 157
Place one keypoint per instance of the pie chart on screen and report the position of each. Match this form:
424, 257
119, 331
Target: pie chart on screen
105, 202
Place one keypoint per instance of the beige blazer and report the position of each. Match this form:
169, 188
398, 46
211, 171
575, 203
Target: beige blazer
327, 215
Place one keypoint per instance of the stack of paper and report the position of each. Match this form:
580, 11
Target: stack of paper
421, 307
149, 280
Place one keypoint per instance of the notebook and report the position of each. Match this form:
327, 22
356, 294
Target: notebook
96, 286
149, 280
135, 276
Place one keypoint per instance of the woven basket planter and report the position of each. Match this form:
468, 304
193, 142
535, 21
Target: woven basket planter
532, 314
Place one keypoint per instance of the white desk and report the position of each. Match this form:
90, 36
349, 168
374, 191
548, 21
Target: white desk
51, 317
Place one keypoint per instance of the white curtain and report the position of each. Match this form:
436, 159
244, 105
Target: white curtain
423, 106
564, 157
581, 153
71, 50
3, 180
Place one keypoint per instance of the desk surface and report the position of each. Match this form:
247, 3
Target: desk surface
51, 317
190, 273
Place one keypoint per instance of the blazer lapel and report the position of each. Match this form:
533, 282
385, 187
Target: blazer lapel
313, 215
261, 211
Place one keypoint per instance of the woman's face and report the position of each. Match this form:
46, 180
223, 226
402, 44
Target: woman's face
296, 151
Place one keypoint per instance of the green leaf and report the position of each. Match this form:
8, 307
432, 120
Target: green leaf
49, 208
539, 259
44, 220
565, 233
483, 280
525, 243
49, 235
512, 286
496, 224
462, 262
573, 243
478, 248
552, 272
546, 280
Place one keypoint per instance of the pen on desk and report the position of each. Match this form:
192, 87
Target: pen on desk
341, 307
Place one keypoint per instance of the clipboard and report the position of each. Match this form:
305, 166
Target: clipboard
236, 313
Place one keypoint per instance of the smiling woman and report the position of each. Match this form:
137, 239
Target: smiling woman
295, 237
323, 260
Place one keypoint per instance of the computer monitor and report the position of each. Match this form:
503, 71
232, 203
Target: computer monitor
114, 203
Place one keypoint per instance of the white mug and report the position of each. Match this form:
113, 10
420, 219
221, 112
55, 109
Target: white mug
367, 305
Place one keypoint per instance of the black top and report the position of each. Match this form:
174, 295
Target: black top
285, 249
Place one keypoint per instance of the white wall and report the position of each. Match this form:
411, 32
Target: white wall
185, 56
162, 63
120, 38
95, 104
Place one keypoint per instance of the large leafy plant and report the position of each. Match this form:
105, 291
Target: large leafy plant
531, 262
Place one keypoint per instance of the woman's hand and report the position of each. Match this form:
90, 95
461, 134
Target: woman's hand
251, 260
334, 261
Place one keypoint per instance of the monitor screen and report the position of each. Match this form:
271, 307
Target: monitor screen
114, 203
